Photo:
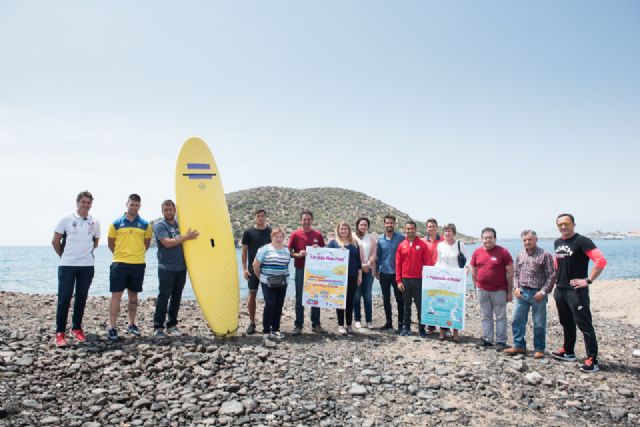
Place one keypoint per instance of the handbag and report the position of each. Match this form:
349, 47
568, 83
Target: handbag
462, 260
276, 282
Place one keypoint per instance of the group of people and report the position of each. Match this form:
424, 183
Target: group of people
129, 236
395, 259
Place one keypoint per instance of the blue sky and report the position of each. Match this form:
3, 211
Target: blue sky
479, 113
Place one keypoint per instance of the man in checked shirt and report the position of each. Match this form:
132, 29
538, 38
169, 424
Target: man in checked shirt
534, 277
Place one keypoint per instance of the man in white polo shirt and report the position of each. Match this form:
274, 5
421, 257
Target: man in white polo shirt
74, 239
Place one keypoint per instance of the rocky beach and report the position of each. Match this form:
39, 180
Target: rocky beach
374, 378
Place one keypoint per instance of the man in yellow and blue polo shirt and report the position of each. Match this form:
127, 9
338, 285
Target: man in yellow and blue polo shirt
129, 238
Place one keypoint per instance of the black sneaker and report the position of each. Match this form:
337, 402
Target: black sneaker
112, 334
422, 333
133, 330
251, 329
487, 344
386, 326
564, 356
500, 346
405, 332
432, 329
590, 365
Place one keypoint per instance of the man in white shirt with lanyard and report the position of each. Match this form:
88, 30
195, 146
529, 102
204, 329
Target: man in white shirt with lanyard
74, 239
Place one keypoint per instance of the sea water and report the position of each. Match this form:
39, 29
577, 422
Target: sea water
33, 269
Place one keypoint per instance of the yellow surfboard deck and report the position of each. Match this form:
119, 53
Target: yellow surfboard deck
211, 258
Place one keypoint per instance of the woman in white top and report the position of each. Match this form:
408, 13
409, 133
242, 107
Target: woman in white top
447, 252
367, 244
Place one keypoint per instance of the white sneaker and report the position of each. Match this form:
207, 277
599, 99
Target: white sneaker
358, 325
369, 325
342, 330
174, 331
277, 335
266, 336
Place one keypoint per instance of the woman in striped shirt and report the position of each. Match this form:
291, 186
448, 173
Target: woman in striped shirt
271, 265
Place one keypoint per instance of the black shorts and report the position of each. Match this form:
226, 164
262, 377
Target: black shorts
126, 276
253, 283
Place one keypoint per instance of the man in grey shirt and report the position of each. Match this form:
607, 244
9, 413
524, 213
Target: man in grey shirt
172, 270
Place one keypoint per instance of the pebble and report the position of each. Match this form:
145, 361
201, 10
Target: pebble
533, 378
231, 408
617, 413
625, 392
366, 380
357, 390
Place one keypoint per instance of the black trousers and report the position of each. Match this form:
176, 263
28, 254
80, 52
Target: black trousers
352, 284
170, 286
70, 278
573, 310
387, 282
412, 293
273, 303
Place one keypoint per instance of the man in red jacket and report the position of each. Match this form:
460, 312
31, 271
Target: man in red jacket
411, 256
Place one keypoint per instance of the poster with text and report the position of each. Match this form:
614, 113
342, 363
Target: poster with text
443, 297
325, 278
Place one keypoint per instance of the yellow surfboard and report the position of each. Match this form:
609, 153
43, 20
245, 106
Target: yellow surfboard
211, 258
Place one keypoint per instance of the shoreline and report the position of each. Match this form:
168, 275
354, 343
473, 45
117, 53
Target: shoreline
606, 297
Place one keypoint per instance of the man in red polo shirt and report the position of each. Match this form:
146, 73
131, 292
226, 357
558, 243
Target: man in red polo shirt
298, 242
411, 256
432, 238
492, 274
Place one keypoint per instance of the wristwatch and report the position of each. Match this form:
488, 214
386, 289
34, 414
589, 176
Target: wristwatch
589, 281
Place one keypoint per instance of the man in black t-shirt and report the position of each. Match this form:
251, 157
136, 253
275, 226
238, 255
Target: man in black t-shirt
252, 240
573, 253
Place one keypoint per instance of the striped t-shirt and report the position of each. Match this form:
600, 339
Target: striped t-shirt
274, 262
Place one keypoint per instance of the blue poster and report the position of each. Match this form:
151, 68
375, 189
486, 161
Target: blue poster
443, 297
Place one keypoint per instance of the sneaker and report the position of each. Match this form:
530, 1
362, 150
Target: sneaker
318, 329
423, 333
342, 330
296, 331
159, 334
78, 334
500, 346
486, 344
564, 356
538, 355
387, 326
251, 329
350, 330
174, 331
266, 336
590, 365
369, 325
133, 330
277, 335
113, 335
405, 332
399, 331
515, 350
432, 329
61, 339
358, 325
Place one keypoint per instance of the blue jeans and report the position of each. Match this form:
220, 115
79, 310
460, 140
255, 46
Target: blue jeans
520, 317
315, 311
363, 291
